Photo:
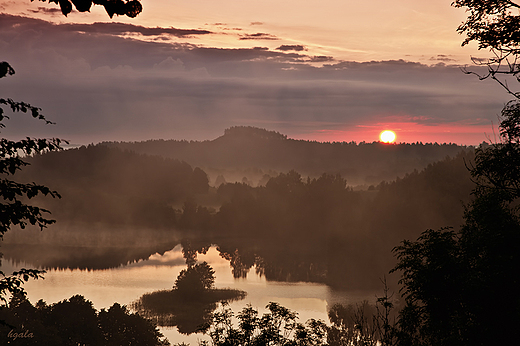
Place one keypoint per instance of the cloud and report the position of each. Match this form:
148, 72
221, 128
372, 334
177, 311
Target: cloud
111, 28
321, 58
99, 86
442, 57
45, 10
257, 23
258, 36
294, 47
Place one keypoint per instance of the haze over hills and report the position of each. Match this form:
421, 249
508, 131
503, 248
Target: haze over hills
251, 152
292, 226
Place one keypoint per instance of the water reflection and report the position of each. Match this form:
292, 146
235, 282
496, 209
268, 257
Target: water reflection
168, 308
46, 256
192, 300
125, 284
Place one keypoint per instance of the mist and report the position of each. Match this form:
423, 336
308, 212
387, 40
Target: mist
290, 210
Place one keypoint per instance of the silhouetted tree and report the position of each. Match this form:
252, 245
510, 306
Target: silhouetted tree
363, 324
460, 287
13, 208
277, 327
74, 321
494, 25
130, 8
13, 153
120, 327
195, 279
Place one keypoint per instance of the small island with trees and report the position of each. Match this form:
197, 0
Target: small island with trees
191, 302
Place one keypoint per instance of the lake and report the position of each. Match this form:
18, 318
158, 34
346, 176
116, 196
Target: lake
127, 283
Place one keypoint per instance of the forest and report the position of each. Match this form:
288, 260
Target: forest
251, 153
441, 220
339, 235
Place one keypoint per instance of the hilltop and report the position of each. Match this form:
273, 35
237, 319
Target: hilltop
252, 153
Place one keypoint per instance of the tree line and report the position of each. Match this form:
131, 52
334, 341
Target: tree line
74, 321
101, 184
331, 227
459, 285
320, 229
244, 148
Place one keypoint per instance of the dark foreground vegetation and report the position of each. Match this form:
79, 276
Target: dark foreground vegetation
458, 285
74, 321
362, 324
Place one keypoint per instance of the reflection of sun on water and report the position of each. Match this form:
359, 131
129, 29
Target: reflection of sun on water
387, 136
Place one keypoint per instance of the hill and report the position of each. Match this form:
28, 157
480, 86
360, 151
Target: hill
290, 228
253, 153
113, 186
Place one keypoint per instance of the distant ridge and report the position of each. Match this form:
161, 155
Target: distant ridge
242, 150
250, 131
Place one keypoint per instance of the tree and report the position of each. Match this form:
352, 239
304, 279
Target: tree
130, 8
431, 270
461, 287
363, 324
75, 321
120, 327
13, 208
494, 25
195, 279
278, 326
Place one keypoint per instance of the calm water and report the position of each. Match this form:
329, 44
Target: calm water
126, 284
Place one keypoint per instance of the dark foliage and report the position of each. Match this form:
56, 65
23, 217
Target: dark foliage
279, 326
14, 210
130, 8
195, 279
120, 327
13, 157
460, 287
494, 25
362, 324
74, 321
190, 304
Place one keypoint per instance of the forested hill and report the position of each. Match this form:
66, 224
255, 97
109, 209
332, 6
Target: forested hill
112, 198
252, 152
101, 184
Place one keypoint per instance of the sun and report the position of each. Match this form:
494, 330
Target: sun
387, 136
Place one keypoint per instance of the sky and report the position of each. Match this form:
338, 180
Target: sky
324, 70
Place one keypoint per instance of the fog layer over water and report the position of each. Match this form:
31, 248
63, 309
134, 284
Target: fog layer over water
126, 284
128, 223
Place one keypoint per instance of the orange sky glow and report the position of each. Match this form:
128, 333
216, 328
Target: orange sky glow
409, 133
329, 70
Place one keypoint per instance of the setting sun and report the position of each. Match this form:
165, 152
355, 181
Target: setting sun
387, 136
